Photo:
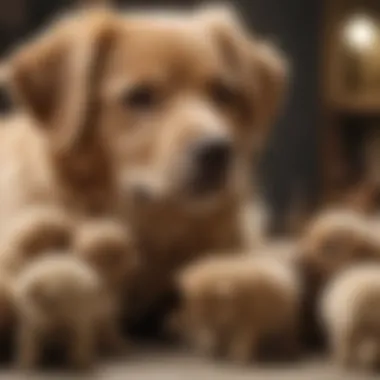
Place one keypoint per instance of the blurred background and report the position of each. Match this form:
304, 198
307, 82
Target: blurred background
326, 146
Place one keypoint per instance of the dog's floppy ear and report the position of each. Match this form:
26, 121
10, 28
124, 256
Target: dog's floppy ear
263, 69
55, 77
270, 72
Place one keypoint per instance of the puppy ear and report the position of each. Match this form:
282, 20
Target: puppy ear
225, 24
56, 76
262, 68
271, 77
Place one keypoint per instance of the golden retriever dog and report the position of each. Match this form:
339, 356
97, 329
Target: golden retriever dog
167, 111
109, 248
32, 233
57, 301
199, 94
350, 311
232, 305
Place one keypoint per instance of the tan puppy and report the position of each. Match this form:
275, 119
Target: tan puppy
34, 232
170, 106
109, 248
57, 298
350, 310
336, 240
232, 305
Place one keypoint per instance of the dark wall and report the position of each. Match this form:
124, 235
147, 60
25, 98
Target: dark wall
289, 167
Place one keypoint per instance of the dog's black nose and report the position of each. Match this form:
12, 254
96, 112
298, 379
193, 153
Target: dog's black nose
211, 161
213, 155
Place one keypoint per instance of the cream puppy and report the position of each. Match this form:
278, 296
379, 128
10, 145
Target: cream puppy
350, 310
233, 304
33, 233
335, 240
57, 298
108, 247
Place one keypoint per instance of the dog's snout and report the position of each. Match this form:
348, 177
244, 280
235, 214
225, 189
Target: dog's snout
211, 159
213, 155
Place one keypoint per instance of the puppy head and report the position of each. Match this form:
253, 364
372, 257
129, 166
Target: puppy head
206, 295
169, 104
57, 289
336, 240
38, 230
193, 94
108, 247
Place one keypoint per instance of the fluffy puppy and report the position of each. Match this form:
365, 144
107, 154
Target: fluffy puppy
169, 107
335, 240
232, 305
57, 299
109, 248
34, 232
350, 310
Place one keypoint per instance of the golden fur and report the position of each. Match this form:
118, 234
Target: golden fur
211, 80
57, 299
114, 119
108, 247
350, 310
231, 305
34, 232
335, 240
55, 149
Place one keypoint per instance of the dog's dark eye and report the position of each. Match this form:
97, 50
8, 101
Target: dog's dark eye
143, 97
223, 94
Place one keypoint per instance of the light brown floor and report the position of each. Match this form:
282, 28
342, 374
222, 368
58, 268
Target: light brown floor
159, 364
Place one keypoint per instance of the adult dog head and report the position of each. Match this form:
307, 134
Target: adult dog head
178, 101
192, 96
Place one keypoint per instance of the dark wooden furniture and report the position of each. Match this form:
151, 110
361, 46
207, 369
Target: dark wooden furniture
350, 90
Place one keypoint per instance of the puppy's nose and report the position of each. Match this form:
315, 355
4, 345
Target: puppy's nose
211, 159
213, 155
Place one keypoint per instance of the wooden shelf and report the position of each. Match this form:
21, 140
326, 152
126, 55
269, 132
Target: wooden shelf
369, 105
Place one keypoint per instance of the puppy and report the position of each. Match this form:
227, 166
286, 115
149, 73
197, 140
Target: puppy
231, 305
57, 300
350, 311
109, 248
161, 114
335, 240
34, 232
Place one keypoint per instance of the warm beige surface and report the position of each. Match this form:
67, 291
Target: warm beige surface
159, 365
